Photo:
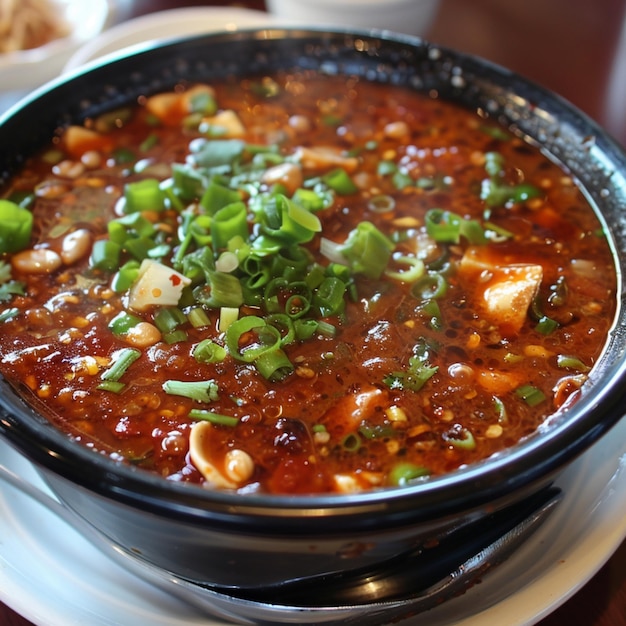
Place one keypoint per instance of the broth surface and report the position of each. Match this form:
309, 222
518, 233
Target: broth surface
299, 284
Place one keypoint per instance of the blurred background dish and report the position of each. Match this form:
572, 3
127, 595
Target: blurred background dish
22, 70
412, 17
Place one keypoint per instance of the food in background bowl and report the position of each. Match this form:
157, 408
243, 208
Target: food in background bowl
26, 24
227, 536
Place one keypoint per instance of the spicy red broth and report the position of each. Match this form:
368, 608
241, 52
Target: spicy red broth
299, 284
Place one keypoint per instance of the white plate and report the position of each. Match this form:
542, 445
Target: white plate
53, 577
166, 25
24, 70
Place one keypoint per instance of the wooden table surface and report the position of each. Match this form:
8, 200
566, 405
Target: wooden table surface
576, 48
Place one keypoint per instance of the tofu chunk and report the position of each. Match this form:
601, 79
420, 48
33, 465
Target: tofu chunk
504, 291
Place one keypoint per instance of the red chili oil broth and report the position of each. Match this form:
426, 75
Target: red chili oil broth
406, 380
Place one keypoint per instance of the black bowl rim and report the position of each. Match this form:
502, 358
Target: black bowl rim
529, 462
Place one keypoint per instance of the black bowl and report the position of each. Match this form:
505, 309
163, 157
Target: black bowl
248, 541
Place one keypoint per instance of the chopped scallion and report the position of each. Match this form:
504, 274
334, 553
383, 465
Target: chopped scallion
530, 394
214, 418
207, 351
572, 363
16, 225
122, 360
200, 391
405, 473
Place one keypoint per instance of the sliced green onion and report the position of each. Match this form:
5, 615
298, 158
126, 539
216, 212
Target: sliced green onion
473, 232
385, 168
122, 360
297, 305
198, 318
546, 325
328, 298
111, 385
431, 286
218, 152
284, 325
289, 222
218, 196
430, 311
9, 314
225, 290
125, 277
149, 142
530, 394
16, 224
500, 410
448, 227
571, 363
143, 195
494, 164
495, 192
175, 336
105, 255
315, 275
415, 271
207, 351
305, 329
124, 155
123, 322
326, 329
229, 222
248, 337
382, 203
367, 250
274, 365
311, 199
214, 418
339, 180
351, 442
203, 102
200, 391
402, 180
228, 315
133, 225
187, 183
501, 233
140, 248
405, 473
273, 292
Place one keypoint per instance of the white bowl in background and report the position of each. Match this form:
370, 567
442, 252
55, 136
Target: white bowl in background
412, 17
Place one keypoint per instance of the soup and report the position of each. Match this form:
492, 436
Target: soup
299, 284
